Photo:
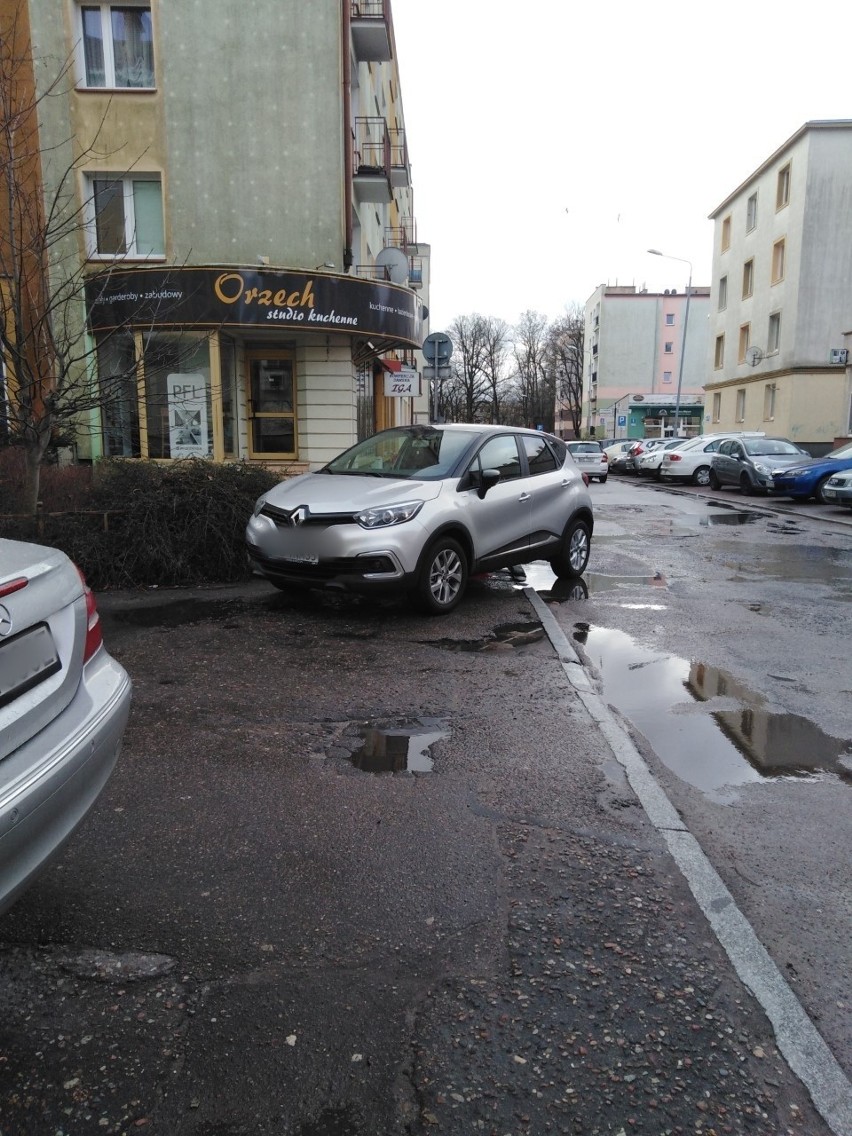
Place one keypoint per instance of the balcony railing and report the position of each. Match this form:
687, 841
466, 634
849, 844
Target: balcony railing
372, 271
372, 160
370, 24
400, 166
403, 236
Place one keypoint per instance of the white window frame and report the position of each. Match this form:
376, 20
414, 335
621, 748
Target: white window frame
723, 293
719, 352
717, 406
769, 393
106, 39
751, 212
670, 319
668, 348
126, 181
773, 334
741, 405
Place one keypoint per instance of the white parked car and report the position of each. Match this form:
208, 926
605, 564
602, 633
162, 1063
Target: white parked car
648, 464
590, 458
838, 489
692, 461
64, 704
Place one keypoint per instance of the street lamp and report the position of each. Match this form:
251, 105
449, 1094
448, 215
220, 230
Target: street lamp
656, 252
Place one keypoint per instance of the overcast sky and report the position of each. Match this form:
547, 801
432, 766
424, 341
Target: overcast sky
553, 142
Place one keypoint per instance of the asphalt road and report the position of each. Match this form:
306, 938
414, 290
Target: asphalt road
255, 933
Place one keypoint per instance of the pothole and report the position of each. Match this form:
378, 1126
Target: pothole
401, 747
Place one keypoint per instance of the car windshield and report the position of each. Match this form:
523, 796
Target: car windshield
421, 452
840, 452
773, 446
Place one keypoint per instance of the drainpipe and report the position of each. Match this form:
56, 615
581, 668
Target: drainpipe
348, 255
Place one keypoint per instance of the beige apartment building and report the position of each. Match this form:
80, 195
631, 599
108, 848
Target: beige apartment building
781, 304
243, 182
638, 347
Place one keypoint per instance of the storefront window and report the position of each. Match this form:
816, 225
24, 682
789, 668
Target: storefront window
228, 370
177, 396
272, 408
119, 398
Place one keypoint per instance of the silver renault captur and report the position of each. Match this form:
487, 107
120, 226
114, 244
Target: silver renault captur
418, 509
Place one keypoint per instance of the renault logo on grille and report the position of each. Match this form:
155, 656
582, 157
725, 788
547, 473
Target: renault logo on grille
299, 516
5, 622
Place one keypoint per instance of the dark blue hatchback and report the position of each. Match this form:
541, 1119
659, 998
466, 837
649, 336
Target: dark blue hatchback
804, 481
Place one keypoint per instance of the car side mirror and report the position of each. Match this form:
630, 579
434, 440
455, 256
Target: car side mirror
487, 480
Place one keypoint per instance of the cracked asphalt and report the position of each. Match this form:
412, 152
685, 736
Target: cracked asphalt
252, 935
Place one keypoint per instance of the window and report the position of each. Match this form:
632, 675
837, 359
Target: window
670, 318
751, 212
119, 395
717, 406
748, 279
769, 402
667, 376
500, 453
719, 352
726, 234
669, 347
271, 410
723, 293
782, 192
125, 216
745, 339
117, 46
778, 258
539, 457
773, 338
741, 405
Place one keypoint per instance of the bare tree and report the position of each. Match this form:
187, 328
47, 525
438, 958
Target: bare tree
496, 336
536, 382
565, 361
468, 386
50, 360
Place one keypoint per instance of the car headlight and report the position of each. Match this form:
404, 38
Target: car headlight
258, 505
795, 472
763, 469
383, 516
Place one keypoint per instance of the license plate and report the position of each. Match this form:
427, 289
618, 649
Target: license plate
300, 559
830, 493
25, 661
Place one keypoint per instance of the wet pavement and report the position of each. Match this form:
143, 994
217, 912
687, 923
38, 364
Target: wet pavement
361, 873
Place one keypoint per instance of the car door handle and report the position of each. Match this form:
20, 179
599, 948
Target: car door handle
566, 481
525, 497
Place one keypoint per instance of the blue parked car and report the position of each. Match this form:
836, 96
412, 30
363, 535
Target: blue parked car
804, 481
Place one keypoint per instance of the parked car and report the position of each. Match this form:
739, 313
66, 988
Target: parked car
590, 458
838, 489
64, 703
617, 454
691, 461
418, 509
641, 447
810, 480
751, 463
650, 461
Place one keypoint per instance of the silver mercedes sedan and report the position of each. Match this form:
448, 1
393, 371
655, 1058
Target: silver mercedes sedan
419, 509
64, 704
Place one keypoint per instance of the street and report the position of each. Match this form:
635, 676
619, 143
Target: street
361, 872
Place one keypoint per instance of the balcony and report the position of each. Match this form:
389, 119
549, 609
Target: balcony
370, 25
403, 236
373, 272
415, 272
400, 166
372, 160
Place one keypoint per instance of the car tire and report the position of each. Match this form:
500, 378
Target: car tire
818, 494
442, 577
701, 476
573, 556
602, 480
715, 483
747, 486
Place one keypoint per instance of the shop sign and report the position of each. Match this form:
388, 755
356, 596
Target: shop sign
274, 300
404, 383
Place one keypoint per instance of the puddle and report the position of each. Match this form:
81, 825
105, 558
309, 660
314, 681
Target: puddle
706, 726
730, 518
507, 637
540, 575
401, 748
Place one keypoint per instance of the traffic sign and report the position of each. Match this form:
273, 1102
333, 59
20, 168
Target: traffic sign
438, 346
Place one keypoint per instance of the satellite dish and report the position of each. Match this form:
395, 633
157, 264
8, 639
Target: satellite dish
396, 263
753, 356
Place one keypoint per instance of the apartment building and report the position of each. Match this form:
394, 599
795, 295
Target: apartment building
256, 288
781, 299
638, 347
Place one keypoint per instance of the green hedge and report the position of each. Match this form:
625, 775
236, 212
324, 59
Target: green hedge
145, 523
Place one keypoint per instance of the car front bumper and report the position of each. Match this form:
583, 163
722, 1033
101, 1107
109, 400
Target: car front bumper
837, 495
49, 784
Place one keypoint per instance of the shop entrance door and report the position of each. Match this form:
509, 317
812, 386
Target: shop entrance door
271, 391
